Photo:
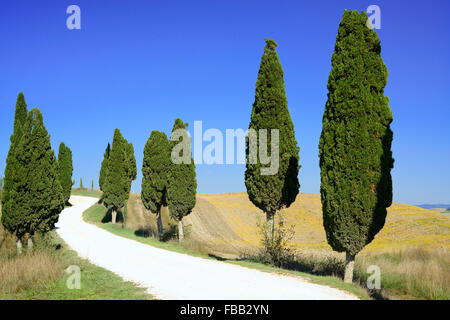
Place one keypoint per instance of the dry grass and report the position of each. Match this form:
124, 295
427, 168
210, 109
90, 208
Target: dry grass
25, 271
28, 271
421, 272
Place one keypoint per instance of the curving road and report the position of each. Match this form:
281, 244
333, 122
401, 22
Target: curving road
171, 275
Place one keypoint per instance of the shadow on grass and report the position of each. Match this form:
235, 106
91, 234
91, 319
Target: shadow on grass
168, 234
108, 217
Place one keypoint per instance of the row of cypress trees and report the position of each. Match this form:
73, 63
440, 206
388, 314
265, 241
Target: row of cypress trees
117, 172
165, 183
36, 184
355, 143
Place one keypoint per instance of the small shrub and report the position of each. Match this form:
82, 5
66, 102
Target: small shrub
278, 252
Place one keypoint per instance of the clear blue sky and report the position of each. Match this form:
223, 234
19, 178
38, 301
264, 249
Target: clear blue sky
137, 65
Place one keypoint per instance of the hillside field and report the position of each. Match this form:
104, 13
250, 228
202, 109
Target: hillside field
227, 224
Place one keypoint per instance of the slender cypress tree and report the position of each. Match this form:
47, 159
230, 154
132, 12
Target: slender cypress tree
92, 185
154, 175
182, 182
355, 144
20, 117
116, 183
36, 196
65, 170
81, 183
104, 168
129, 164
270, 111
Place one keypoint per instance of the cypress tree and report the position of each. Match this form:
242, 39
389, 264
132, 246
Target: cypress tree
155, 168
355, 144
270, 111
65, 170
104, 168
20, 117
130, 164
92, 185
116, 185
81, 183
36, 196
182, 182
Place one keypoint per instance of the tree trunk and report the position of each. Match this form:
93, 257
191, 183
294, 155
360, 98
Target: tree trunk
113, 216
160, 225
180, 231
30, 244
270, 217
349, 264
19, 246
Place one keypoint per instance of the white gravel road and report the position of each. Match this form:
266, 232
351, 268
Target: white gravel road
170, 275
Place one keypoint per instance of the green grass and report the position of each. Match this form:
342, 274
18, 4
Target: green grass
86, 192
96, 213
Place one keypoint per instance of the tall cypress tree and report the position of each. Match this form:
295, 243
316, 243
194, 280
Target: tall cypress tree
155, 168
20, 117
270, 111
104, 168
355, 144
36, 196
116, 183
65, 170
182, 182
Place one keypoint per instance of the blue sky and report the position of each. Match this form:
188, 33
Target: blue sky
137, 65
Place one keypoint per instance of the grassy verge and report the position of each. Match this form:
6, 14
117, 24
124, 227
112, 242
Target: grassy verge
86, 192
41, 274
96, 214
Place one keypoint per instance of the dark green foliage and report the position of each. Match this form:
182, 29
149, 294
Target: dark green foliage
65, 170
35, 194
182, 183
155, 168
104, 167
355, 144
270, 111
117, 181
92, 185
11, 163
129, 164
81, 183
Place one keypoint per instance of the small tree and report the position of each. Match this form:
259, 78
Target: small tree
155, 167
270, 112
65, 170
355, 144
81, 183
36, 196
92, 185
104, 168
182, 182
